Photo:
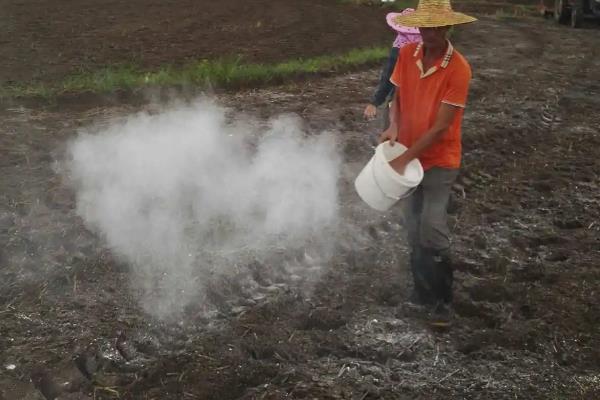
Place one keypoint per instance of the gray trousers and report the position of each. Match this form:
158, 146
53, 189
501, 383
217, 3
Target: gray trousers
425, 211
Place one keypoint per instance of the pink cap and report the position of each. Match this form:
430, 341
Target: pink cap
390, 17
405, 34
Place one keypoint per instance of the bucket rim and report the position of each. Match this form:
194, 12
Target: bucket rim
401, 179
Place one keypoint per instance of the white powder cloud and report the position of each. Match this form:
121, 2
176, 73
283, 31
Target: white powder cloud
186, 191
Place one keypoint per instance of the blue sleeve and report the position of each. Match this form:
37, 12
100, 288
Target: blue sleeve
385, 87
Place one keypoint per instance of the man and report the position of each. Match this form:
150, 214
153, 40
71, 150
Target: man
432, 81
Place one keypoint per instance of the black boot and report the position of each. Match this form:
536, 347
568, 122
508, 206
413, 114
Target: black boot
446, 279
443, 278
421, 268
439, 275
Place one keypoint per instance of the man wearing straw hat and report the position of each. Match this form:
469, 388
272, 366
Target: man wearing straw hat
432, 82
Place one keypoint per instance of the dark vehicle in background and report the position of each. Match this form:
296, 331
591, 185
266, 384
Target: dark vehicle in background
571, 12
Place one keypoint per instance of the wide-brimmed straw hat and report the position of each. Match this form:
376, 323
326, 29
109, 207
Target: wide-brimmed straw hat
432, 14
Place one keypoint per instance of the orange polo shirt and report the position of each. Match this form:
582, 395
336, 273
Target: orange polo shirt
419, 94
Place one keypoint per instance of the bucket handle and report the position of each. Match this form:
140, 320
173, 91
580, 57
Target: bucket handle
407, 194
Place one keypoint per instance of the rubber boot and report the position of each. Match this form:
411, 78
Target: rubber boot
442, 280
421, 268
442, 277
446, 279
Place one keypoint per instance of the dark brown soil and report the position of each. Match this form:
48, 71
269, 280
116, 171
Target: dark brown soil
526, 221
48, 40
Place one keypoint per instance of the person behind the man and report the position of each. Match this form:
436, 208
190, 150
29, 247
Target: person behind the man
385, 90
432, 81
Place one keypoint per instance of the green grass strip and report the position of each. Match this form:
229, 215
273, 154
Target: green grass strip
221, 73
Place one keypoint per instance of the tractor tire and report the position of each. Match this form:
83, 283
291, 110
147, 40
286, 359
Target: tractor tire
561, 13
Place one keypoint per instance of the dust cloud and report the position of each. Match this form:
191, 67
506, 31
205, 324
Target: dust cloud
196, 189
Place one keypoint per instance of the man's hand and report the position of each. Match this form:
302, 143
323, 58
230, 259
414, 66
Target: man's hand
390, 134
443, 120
399, 164
370, 112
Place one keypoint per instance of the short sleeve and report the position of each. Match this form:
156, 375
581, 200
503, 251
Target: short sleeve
458, 87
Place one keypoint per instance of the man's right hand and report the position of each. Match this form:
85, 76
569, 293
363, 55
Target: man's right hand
390, 134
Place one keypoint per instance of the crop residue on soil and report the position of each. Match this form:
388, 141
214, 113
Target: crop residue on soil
526, 219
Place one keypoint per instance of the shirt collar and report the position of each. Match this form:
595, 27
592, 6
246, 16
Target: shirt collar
445, 60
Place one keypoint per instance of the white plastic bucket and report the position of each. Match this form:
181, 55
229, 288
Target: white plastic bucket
379, 185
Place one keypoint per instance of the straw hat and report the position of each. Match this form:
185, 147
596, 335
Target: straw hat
432, 14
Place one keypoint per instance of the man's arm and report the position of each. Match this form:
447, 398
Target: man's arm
443, 120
